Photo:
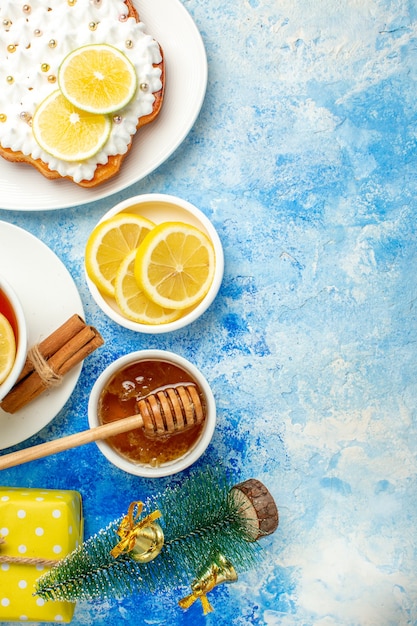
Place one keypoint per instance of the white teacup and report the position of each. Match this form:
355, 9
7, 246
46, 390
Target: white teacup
19, 323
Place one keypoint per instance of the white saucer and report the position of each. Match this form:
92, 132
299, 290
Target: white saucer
24, 189
49, 297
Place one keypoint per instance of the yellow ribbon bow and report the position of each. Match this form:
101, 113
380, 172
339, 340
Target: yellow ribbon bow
186, 602
219, 571
130, 528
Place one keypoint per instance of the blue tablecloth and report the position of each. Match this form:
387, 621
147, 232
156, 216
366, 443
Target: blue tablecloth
304, 158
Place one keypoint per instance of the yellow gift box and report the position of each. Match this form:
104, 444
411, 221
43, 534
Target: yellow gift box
39, 524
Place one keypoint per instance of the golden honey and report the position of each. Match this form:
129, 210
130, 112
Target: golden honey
119, 399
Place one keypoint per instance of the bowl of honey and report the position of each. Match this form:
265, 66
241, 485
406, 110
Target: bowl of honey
118, 295
163, 390
13, 337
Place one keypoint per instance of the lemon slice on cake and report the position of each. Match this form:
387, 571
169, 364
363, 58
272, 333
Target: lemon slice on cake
175, 265
66, 132
97, 78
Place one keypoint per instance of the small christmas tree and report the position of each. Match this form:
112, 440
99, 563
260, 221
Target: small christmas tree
206, 531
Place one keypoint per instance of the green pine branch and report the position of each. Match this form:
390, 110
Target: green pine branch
199, 520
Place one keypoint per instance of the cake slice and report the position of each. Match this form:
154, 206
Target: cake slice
35, 38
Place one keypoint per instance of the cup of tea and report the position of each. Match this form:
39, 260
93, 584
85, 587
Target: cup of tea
177, 405
13, 337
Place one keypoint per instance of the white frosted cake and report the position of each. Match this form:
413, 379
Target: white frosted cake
35, 37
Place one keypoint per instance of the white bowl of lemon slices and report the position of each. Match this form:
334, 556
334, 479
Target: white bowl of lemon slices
154, 263
13, 337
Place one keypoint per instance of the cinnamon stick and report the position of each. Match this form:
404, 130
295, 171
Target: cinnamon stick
56, 340
70, 344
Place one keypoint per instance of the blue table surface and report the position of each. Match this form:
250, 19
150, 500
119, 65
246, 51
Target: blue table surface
304, 158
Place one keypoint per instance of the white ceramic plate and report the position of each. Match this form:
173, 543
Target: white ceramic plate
49, 297
24, 189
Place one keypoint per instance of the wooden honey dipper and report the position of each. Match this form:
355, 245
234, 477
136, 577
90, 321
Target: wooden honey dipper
165, 412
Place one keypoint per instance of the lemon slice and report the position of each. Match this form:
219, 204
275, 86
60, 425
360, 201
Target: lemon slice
109, 243
7, 348
131, 300
175, 265
66, 132
97, 78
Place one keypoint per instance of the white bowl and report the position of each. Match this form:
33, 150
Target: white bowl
21, 339
179, 464
161, 208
